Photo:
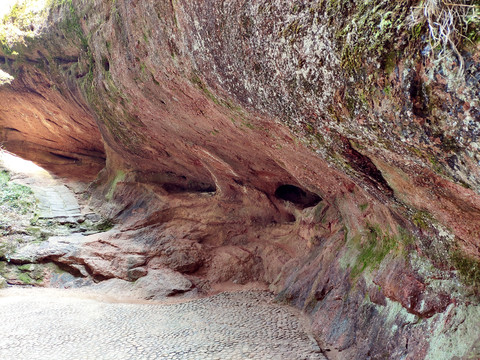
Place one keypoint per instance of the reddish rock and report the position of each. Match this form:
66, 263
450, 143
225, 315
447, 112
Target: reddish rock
208, 112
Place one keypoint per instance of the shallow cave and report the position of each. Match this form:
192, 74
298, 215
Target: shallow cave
300, 197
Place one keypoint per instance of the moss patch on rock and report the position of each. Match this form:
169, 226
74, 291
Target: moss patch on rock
468, 268
373, 249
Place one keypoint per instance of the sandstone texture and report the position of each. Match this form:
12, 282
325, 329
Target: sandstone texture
327, 149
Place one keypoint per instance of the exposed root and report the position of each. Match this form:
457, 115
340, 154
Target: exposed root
448, 23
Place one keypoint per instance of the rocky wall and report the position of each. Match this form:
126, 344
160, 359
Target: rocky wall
316, 146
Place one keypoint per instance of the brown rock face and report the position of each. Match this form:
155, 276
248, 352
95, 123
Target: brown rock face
308, 145
50, 124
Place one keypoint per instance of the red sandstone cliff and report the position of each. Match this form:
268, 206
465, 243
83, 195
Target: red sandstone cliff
312, 145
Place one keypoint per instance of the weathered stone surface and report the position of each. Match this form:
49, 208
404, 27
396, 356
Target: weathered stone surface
136, 273
3, 282
180, 255
209, 111
157, 284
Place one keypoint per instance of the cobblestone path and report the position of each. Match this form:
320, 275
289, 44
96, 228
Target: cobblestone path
38, 324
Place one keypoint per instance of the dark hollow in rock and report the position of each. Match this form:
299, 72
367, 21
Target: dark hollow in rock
300, 197
106, 64
189, 187
174, 183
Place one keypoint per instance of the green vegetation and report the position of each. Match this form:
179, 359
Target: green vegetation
26, 267
105, 225
373, 250
422, 219
374, 27
363, 207
468, 268
195, 79
15, 198
21, 25
119, 177
370, 31
25, 278
17, 208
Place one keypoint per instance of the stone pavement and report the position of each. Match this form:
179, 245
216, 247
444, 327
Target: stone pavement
56, 201
41, 324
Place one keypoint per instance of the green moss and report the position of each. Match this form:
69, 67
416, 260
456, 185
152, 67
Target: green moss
195, 79
422, 219
417, 30
119, 177
14, 197
345, 233
374, 249
105, 225
363, 207
387, 90
370, 31
26, 267
390, 62
248, 124
415, 151
71, 25
25, 278
468, 268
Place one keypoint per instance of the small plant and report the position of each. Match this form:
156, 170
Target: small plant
422, 219
363, 207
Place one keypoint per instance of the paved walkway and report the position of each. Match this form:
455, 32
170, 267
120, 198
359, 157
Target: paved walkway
55, 200
41, 324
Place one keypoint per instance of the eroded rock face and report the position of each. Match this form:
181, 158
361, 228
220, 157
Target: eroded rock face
47, 122
256, 142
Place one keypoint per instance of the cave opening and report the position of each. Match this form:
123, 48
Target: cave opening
300, 197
